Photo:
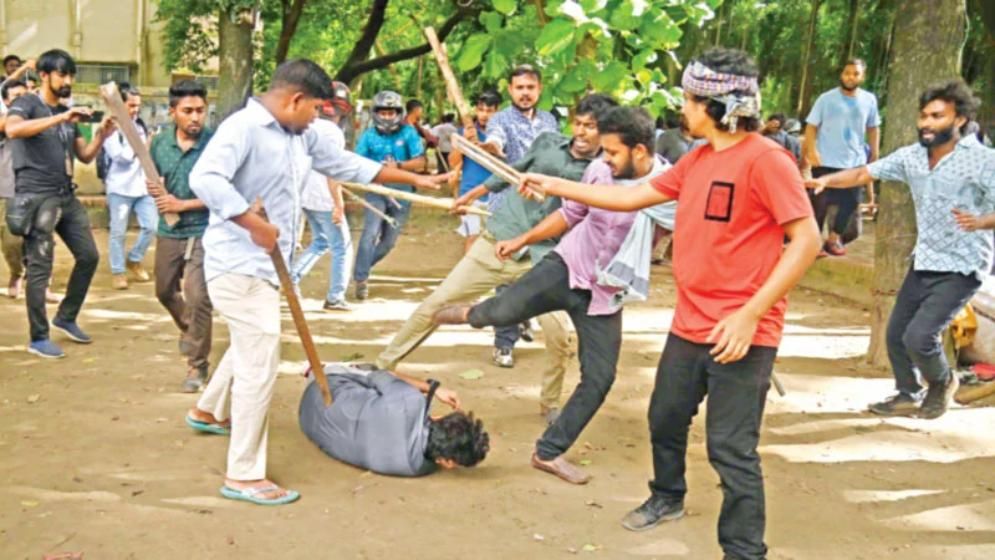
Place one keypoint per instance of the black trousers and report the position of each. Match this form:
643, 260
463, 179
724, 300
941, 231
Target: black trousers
63, 215
736, 393
926, 303
545, 288
846, 201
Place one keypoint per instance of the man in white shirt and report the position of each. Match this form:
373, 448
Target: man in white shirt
325, 210
127, 194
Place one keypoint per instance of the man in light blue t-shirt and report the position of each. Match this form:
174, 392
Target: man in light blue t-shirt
843, 121
395, 144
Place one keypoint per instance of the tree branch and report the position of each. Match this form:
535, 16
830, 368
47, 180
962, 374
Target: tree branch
291, 13
356, 65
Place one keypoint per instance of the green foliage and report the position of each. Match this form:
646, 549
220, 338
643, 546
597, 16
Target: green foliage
613, 46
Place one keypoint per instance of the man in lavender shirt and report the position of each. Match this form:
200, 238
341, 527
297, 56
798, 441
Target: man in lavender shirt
566, 279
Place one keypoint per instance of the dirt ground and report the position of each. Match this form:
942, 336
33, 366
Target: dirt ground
94, 455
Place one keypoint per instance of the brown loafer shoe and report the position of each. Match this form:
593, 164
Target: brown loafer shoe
561, 468
451, 315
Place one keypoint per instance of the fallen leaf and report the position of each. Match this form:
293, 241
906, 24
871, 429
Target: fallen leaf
33, 398
593, 504
538, 537
472, 374
585, 462
29, 503
591, 547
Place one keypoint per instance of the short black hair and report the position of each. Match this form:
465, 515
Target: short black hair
858, 62
956, 92
10, 57
668, 120
489, 98
305, 76
728, 61
525, 70
779, 117
448, 118
632, 124
56, 60
9, 85
458, 436
186, 88
126, 89
412, 104
595, 104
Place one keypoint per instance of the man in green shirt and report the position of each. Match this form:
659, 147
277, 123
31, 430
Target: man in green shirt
179, 254
481, 270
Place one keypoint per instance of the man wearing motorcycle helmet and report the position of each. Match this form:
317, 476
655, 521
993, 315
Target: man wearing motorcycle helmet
395, 144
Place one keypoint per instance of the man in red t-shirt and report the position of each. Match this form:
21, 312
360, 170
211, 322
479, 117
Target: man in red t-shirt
739, 196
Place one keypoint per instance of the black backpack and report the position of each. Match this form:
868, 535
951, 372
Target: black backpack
104, 161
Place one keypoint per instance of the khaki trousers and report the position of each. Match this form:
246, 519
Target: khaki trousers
244, 380
180, 288
476, 274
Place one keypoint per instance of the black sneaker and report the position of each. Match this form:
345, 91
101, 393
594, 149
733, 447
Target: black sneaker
899, 404
525, 331
362, 290
938, 397
653, 512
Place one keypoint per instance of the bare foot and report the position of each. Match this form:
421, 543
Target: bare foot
207, 418
275, 492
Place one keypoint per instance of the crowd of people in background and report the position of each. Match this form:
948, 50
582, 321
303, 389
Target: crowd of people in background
743, 199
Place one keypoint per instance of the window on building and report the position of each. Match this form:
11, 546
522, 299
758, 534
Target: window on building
102, 73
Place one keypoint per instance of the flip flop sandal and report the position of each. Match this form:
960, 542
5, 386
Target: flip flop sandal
251, 495
207, 428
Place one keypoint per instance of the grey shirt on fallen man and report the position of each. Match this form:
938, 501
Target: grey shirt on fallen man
376, 421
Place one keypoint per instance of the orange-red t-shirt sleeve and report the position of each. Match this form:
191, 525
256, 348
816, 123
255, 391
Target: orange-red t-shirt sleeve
779, 186
669, 182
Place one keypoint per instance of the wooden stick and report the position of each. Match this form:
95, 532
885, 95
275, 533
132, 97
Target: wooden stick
370, 207
297, 312
777, 384
112, 98
438, 202
452, 86
507, 173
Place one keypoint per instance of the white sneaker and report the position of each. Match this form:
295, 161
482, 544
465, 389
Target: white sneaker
503, 357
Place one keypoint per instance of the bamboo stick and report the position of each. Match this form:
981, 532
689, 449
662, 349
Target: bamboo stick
437, 202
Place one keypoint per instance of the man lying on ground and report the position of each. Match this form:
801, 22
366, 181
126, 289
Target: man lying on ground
379, 421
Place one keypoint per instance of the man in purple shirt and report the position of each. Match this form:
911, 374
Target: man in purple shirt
566, 279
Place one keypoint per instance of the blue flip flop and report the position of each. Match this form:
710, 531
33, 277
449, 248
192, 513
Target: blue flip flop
251, 495
207, 428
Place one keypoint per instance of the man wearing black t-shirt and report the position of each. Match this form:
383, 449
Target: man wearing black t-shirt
44, 141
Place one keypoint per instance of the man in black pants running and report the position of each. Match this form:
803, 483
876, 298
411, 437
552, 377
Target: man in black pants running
44, 142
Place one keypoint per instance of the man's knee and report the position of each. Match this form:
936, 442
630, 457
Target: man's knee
920, 342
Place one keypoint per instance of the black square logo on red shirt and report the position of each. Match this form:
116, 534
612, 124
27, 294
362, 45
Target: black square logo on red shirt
719, 205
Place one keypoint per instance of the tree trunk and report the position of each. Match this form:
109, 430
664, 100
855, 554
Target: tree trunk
805, 85
850, 42
291, 11
235, 28
929, 37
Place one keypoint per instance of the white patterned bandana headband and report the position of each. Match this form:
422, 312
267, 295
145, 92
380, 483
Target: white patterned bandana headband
702, 81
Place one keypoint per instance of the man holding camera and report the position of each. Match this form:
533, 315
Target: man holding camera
44, 141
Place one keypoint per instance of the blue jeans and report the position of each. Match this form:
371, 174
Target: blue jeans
378, 236
325, 236
120, 208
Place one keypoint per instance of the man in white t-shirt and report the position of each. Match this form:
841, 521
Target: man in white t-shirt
127, 193
325, 211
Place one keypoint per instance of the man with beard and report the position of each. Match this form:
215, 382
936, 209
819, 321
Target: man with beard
738, 197
179, 253
567, 280
44, 142
952, 178
259, 159
480, 270
510, 134
834, 140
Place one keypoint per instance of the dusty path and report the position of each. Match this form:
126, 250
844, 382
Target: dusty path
94, 456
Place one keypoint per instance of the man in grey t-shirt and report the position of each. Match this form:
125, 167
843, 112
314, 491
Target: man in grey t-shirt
11, 245
379, 421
